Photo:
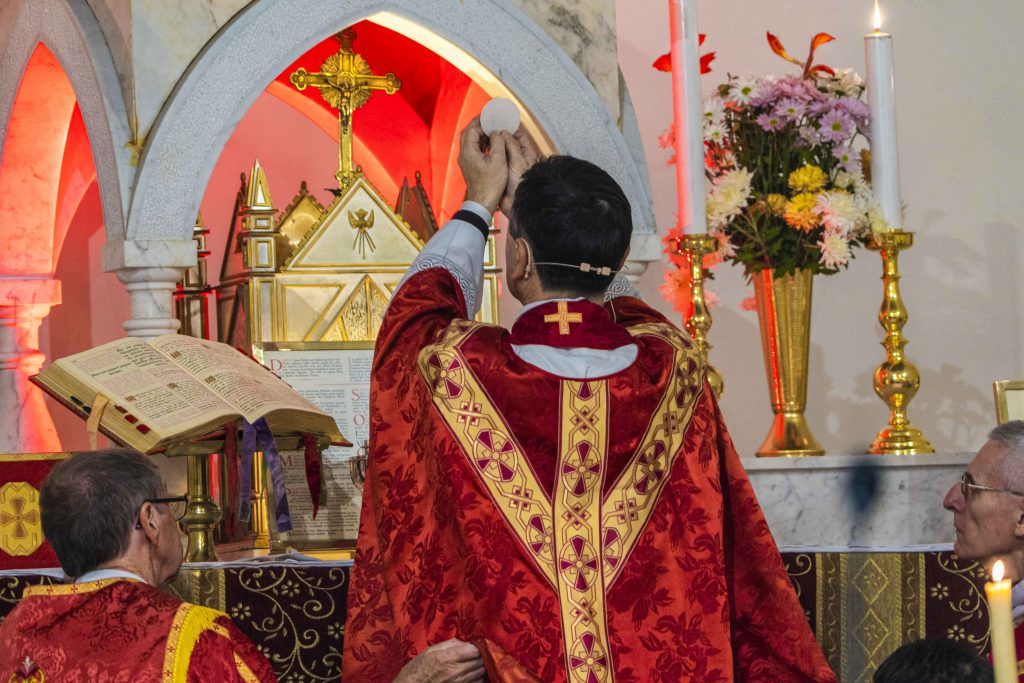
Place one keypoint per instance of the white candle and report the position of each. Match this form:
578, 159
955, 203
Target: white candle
1000, 619
885, 170
688, 115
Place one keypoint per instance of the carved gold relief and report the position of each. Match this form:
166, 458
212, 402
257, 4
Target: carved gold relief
362, 221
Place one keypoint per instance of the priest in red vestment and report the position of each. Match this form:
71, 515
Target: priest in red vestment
564, 493
988, 514
113, 526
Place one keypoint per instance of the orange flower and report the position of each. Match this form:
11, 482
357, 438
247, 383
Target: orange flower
800, 212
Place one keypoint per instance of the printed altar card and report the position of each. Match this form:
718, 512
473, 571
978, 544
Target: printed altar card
334, 376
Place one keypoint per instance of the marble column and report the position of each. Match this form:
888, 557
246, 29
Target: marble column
150, 270
25, 422
644, 249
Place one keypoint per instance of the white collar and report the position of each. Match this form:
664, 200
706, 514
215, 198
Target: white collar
101, 574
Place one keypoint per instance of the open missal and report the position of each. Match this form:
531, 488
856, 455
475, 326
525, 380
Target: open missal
176, 388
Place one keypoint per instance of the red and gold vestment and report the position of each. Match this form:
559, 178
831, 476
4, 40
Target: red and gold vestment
598, 529
122, 630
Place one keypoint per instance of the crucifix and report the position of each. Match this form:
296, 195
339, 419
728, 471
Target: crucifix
345, 82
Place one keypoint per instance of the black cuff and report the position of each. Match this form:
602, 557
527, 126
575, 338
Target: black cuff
473, 219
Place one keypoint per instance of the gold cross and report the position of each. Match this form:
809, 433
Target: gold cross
563, 318
346, 83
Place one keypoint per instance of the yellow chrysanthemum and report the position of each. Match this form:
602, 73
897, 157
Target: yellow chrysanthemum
807, 178
800, 213
776, 203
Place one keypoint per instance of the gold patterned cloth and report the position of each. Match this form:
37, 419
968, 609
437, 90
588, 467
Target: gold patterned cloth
861, 606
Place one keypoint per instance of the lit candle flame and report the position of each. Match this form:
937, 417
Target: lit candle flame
997, 571
878, 19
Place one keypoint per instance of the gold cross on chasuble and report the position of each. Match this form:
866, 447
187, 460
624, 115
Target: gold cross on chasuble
345, 82
563, 317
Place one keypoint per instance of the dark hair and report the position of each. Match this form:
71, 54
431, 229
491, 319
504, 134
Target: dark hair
935, 660
571, 211
90, 502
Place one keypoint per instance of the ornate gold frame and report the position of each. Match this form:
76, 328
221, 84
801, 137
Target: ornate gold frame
1000, 390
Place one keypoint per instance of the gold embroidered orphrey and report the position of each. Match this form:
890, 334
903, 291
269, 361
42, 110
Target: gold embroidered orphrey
578, 539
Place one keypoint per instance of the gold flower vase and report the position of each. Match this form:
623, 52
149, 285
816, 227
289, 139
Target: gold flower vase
784, 314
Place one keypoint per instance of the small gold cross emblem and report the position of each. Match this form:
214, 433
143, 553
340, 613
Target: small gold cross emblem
563, 318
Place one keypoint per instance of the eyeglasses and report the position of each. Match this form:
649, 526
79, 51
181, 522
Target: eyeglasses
177, 505
967, 485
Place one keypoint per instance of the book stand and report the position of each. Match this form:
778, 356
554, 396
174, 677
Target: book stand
202, 512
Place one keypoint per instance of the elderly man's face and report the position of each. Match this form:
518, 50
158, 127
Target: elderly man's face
986, 522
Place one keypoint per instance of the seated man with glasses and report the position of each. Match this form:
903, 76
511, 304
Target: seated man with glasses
114, 528
988, 512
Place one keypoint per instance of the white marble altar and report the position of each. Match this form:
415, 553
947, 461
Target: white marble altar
809, 501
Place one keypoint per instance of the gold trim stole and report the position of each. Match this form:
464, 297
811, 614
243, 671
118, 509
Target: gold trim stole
577, 539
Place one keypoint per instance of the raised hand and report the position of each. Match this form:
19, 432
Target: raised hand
485, 172
522, 153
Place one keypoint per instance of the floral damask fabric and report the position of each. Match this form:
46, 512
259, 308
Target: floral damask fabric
123, 630
860, 605
600, 530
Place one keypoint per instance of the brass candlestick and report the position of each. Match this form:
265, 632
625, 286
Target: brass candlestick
696, 247
201, 513
896, 380
260, 509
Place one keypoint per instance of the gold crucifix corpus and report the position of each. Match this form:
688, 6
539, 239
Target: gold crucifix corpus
345, 82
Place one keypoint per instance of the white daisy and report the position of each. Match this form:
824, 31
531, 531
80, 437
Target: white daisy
744, 90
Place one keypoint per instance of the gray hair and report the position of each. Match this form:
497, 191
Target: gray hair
1011, 435
90, 502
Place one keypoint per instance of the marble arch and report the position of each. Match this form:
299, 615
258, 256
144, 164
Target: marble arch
70, 31
268, 35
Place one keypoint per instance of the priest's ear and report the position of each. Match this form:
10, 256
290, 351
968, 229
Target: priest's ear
520, 266
149, 521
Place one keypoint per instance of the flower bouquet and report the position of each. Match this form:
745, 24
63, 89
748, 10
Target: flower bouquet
788, 193
788, 201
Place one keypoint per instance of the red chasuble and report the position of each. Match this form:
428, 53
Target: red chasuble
593, 530
122, 630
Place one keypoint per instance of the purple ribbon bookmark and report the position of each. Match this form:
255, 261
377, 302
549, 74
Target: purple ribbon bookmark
259, 432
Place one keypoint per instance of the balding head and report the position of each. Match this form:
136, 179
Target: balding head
1011, 436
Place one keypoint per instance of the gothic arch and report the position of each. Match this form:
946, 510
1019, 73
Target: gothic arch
268, 35
70, 31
